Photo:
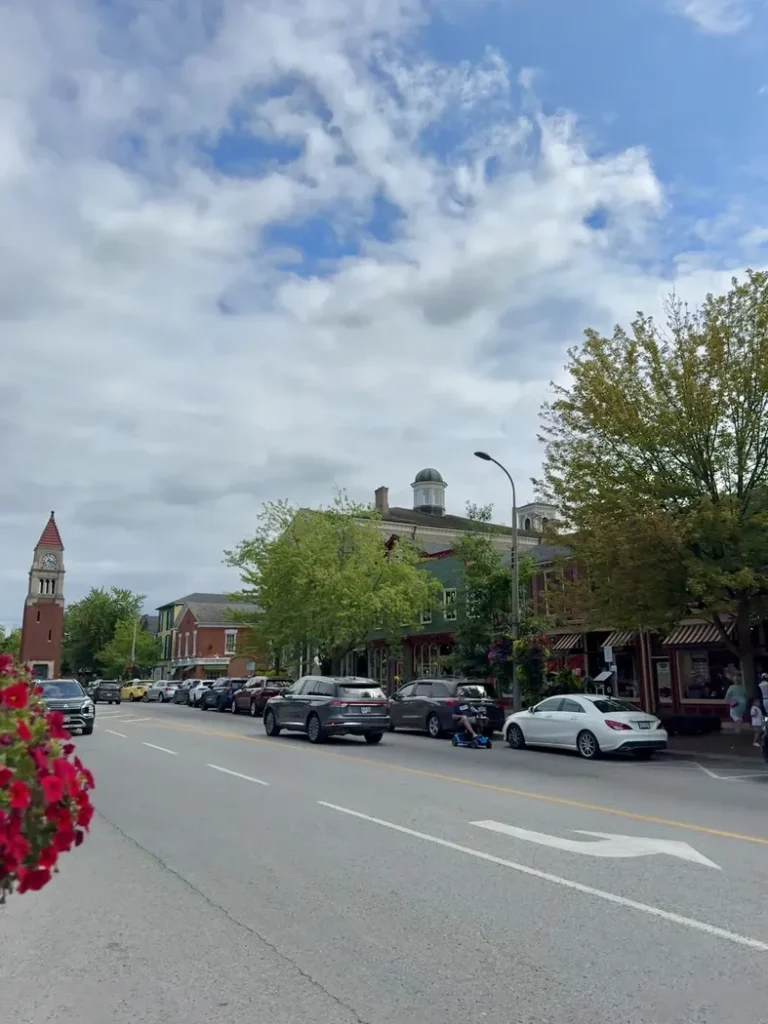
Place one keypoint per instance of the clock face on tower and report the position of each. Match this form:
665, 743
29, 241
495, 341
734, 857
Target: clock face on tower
49, 562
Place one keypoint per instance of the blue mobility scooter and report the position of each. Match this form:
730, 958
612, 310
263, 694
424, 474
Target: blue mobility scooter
461, 738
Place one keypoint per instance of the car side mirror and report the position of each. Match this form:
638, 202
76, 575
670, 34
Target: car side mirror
531, 710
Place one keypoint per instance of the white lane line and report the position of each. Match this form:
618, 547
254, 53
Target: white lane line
567, 883
712, 775
113, 733
165, 750
132, 721
238, 775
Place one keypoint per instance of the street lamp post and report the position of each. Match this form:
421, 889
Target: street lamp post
516, 701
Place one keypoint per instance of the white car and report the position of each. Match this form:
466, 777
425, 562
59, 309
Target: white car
588, 723
195, 692
162, 690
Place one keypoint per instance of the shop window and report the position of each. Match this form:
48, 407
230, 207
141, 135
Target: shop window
449, 601
626, 683
706, 675
663, 678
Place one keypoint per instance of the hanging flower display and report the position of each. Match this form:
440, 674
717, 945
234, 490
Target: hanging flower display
45, 809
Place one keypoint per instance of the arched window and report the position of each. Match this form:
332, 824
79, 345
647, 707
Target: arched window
527, 524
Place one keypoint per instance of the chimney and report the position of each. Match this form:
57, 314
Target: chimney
381, 499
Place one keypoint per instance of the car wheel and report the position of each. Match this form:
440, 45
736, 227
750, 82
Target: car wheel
489, 744
374, 737
271, 728
88, 729
644, 755
434, 728
391, 727
145, 698
515, 737
254, 711
587, 745
234, 707
202, 705
117, 701
315, 729
160, 698
132, 697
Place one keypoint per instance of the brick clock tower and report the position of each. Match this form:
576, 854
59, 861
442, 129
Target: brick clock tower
43, 624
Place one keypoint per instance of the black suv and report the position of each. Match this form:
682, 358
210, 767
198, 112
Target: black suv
106, 690
323, 706
429, 705
220, 695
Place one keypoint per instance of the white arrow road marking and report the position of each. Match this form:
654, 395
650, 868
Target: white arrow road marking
566, 883
238, 775
611, 845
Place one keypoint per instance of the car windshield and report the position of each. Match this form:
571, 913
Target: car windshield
371, 691
610, 705
221, 685
62, 688
277, 684
473, 692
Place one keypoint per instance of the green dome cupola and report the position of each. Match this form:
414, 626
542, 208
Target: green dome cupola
429, 492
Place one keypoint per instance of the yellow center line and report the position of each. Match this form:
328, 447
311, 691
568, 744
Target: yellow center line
455, 779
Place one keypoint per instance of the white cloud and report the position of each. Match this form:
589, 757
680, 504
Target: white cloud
717, 17
154, 424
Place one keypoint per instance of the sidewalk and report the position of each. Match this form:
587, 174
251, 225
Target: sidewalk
725, 745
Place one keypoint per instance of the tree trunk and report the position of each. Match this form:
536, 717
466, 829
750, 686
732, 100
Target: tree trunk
746, 650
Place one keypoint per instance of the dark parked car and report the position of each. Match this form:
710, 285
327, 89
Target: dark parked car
430, 704
323, 706
220, 695
68, 697
254, 695
182, 691
106, 690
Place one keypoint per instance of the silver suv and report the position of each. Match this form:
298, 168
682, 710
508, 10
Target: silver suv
323, 706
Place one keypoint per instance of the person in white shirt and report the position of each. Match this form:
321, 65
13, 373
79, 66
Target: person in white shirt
758, 721
763, 684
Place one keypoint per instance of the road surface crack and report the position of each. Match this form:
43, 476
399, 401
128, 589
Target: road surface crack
240, 924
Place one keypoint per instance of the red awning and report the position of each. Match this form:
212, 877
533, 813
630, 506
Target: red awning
695, 635
566, 642
620, 638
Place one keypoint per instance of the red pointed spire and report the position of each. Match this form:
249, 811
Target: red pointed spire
50, 537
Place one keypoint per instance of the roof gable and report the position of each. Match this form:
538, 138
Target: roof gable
50, 537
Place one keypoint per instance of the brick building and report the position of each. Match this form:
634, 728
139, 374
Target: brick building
207, 639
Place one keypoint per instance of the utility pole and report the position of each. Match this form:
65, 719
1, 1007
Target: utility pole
516, 699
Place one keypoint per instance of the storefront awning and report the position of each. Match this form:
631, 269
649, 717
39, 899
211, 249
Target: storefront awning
620, 638
566, 642
694, 636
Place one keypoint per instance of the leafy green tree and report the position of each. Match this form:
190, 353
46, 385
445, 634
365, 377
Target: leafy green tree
89, 625
325, 578
487, 587
657, 456
117, 658
10, 641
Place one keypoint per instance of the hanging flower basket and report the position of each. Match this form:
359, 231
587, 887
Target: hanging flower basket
45, 809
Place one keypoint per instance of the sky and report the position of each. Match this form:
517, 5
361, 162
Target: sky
263, 249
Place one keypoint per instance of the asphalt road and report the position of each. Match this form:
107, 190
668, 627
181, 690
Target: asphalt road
230, 878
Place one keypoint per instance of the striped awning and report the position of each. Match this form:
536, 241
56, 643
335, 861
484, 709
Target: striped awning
566, 642
620, 638
699, 633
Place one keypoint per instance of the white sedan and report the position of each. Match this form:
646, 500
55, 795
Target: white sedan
588, 723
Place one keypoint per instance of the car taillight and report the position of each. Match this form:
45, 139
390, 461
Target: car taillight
617, 725
339, 704
659, 725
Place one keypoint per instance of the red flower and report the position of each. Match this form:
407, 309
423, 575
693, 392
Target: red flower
34, 880
6, 663
41, 761
22, 731
5, 775
18, 847
37, 690
67, 749
85, 816
15, 696
47, 857
20, 797
53, 789
63, 840
55, 721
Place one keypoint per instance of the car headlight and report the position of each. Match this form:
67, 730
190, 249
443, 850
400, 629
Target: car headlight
87, 708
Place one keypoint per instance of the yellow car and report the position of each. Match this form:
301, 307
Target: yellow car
136, 689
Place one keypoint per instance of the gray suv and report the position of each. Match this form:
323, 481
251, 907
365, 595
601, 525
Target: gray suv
323, 706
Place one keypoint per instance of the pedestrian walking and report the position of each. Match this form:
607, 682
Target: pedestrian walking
757, 718
763, 684
736, 699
